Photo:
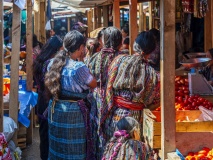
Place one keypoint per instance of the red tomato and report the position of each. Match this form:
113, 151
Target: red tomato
206, 149
186, 96
191, 154
180, 99
194, 104
182, 81
203, 152
190, 100
200, 155
185, 102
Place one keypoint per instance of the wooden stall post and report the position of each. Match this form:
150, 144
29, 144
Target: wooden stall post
167, 75
42, 13
150, 14
37, 19
95, 22
208, 28
116, 13
68, 24
99, 15
141, 17
29, 64
14, 77
1, 63
133, 28
89, 21
29, 36
211, 9
105, 16
144, 21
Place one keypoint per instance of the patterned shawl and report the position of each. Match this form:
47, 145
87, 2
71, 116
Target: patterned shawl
131, 73
123, 147
100, 62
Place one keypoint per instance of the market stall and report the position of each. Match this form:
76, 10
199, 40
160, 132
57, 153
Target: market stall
183, 129
17, 85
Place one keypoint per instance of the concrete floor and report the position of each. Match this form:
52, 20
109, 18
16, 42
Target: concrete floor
32, 152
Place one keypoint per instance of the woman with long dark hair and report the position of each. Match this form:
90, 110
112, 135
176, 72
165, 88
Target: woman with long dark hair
48, 51
98, 65
68, 82
132, 85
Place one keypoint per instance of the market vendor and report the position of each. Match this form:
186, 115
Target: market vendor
208, 70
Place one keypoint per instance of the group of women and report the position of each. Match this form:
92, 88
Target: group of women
95, 100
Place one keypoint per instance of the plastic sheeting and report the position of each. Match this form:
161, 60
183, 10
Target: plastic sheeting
27, 100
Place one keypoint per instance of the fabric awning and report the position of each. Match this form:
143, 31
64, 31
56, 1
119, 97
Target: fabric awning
81, 3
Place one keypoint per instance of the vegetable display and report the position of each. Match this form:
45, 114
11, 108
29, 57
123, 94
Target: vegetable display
183, 101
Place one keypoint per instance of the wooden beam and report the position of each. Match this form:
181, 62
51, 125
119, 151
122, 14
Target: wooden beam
37, 19
1, 63
105, 16
150, 15
29, 36
14, 76
95, 18
42, 22
211, 9
133, 28
116, 14
167, 75
208, 28
141, 17
144, 21
89, 21
29, 63
68, 24
99, 15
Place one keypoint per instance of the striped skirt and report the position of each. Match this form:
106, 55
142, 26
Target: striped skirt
67, 132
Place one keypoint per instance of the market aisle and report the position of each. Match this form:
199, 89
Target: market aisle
32, 151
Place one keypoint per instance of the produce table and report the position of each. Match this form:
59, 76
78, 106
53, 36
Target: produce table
191, 135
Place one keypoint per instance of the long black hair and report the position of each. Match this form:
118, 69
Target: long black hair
145, 42
72, 42
47, 51
112, 38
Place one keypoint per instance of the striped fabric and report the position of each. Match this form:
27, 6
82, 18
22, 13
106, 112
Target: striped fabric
67, 132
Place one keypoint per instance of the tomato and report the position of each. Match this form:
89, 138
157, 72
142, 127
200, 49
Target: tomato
177, 78
191, 154
203, 152
210, 108
186, 80
182, 81
180, 99
185, 102
201, 155
194, 104
201, 99
198, 102
204, 103
186, 96
206, 149
190, 99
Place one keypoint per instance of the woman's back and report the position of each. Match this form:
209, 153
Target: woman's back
75, 76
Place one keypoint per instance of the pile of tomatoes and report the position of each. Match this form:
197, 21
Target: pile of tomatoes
204, 154
186, 102
183, 101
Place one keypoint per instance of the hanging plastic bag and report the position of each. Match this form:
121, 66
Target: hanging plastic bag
207, 115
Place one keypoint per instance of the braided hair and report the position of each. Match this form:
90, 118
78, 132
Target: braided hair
72, 42
112, 38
